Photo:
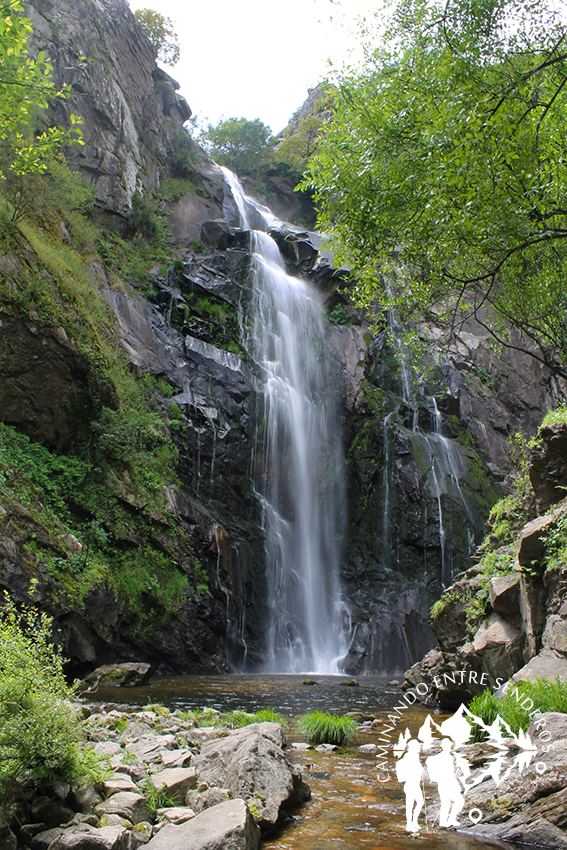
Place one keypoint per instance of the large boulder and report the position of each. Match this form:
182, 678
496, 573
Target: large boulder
228, 826
250, 762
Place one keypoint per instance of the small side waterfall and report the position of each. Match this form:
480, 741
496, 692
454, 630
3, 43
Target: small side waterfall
299, 463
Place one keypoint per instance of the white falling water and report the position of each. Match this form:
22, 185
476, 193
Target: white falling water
299, 476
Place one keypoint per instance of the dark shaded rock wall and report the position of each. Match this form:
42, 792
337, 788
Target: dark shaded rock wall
424, 468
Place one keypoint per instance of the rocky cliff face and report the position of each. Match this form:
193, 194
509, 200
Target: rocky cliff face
425, 442
130, 108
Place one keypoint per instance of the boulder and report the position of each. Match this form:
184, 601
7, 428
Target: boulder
89, 838
149, 748
177, 780
532, 546
216, 233
228, 826
250, 762
548, 664
505, 594
555, 724
176, 758
497, 632
124, 675
128, 804
201, 800
119, 782
176, 814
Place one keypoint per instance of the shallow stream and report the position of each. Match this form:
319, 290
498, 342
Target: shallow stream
349, 809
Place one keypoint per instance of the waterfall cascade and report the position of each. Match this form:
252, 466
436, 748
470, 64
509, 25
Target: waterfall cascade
299, 463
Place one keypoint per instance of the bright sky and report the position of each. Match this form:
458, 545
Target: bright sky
256, 58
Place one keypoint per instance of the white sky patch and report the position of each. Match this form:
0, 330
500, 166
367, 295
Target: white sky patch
256, 58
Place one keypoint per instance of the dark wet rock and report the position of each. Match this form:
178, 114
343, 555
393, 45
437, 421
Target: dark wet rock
228, 826
548, 466
216, 233
8, 840
42, 382
505, 594
250, 762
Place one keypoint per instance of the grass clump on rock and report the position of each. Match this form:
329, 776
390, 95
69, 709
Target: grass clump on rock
514, 708
322, 728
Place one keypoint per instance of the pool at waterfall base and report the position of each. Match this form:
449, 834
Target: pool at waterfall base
350, 808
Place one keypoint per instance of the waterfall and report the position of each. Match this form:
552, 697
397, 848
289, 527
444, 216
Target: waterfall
299, 463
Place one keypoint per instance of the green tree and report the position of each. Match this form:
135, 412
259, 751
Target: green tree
242, 145
447, 158
26, 85
161, 34
39, 732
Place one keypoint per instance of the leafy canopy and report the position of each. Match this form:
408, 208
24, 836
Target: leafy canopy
161, 35
446, 157
25, 85
242, 145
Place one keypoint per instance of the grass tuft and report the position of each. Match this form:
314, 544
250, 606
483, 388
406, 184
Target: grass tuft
322, 728
545, 694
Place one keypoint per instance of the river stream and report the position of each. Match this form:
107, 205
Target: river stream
349, 809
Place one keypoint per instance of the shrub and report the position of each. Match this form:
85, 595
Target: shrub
322, 728
39, 731
545, 694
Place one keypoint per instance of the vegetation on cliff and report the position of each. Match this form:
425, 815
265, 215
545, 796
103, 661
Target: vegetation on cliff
104, 487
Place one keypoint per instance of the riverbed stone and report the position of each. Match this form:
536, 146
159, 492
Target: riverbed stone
176, 758
207, 797
91, 838
122, 675
177, 781
228, 826
149, 748
250, 762
128, 804
176, 814
119, 782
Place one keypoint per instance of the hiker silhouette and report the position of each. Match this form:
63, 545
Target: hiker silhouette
409, 771
441, 770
